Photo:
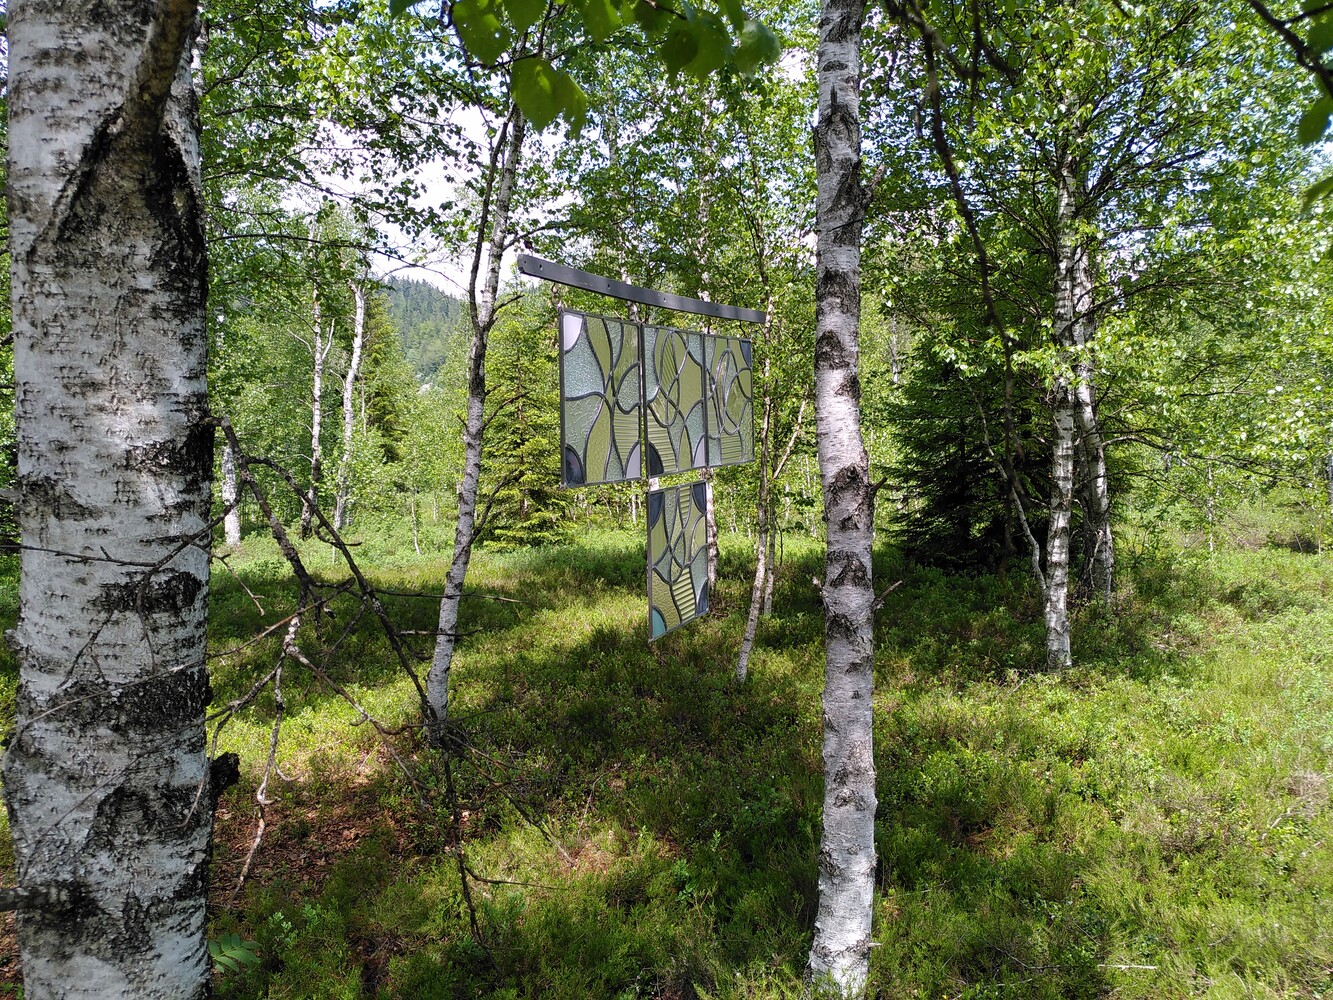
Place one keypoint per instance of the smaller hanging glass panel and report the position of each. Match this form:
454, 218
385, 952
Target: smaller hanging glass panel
674, 396
677, 558
599, 399
730, 401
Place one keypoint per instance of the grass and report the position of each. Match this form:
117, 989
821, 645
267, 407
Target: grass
1152, 823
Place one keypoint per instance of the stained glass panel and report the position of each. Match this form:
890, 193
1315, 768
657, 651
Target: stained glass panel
677, 558
730, 400
674, 398
599, 400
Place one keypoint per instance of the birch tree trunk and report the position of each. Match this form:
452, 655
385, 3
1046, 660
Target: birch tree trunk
231, 493
349, 407
1096, 495
710, 528
1058, 655
761, 539
841, 948
1063, 419
319, 350
770, 576
501, 180
106, 777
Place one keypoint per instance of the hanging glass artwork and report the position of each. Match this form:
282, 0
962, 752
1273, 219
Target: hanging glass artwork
639, 401
730, 401
677, 558
600, 393
674, 400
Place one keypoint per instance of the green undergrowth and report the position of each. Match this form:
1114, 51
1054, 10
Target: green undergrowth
1152, 823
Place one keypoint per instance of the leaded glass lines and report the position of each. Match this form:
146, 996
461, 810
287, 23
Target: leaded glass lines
677, 558
730, 401
650, 400
600, 374
674, 400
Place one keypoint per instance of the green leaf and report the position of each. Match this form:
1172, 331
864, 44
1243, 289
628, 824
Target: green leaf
545, 93
680, 47
1321, 35
229, 953
758, 47
1317, 192
734, 11
714, 46
481, 31
649, 16
523, 14
1314, 123
399, 7
601, 17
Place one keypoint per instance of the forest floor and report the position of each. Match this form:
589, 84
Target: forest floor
1154, 822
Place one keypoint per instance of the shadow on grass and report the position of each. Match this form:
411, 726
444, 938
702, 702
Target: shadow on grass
685, 807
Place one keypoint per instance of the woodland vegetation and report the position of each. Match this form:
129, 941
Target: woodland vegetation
1015, 680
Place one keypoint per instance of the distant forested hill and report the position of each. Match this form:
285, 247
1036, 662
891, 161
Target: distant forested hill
427, 320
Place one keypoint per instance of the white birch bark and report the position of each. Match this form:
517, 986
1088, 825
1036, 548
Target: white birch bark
320, 345
349, 407
504, 171
770, 577
1058, 655
710, 528
1095, 491
115, 458
1063, 419
761, 540
840, 953
231, 493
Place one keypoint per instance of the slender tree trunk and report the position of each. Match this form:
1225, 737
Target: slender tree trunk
761, 542
841, 948
1063, 420
1058, 654
770, 572
1096, 490
231, 493
416, 540
106, 776
503, 173
320, 345
349, 407
710, 528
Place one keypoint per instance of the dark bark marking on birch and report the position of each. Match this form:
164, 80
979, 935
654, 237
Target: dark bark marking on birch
830, 354
851, 572
173, 203
192, 457
146, 708
166, 593
164, 811
44, 493
850, 387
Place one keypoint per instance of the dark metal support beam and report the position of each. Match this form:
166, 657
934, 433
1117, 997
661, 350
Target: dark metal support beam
535, 267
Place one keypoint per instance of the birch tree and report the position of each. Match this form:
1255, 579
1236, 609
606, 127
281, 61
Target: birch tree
492, 237
1085, 147
344, 488
841, 948
106, 778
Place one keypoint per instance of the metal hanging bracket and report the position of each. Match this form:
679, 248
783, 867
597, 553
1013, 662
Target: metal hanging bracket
536, 267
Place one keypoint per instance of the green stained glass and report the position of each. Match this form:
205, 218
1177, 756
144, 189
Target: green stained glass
674, 398
677, 558
599, 399
730, 400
